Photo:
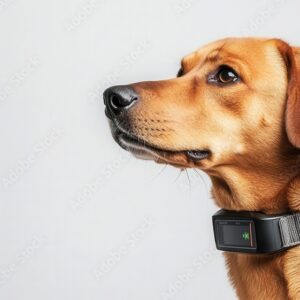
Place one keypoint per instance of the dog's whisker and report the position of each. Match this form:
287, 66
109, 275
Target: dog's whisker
178, 175
202, 179
161, 171
187, 174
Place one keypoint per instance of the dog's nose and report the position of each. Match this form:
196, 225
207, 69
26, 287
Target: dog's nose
119, 98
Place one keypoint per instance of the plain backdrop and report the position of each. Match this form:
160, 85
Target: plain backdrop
79, 217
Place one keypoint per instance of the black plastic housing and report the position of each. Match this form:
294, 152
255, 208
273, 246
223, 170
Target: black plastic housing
265, 231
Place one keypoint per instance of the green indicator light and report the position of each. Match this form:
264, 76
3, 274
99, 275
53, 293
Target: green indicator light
246, 236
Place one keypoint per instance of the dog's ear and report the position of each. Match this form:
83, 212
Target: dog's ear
291, 56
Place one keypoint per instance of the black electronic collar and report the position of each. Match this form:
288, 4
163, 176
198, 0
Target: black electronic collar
253, 232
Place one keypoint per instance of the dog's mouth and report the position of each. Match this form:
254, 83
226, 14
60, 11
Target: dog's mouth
143, 150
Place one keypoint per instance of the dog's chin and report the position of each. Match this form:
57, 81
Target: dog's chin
143, 150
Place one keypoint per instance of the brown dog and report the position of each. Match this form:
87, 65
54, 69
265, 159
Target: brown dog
234, 112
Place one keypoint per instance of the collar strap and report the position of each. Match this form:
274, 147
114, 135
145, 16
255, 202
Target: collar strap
290, 230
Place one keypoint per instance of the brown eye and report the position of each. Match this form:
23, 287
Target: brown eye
227, 75
223, 76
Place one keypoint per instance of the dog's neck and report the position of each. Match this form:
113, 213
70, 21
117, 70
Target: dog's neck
273, 191
256, 189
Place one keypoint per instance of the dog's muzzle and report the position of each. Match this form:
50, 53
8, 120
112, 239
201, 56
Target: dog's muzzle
118, 101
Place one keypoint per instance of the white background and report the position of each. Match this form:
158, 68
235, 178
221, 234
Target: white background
80, 218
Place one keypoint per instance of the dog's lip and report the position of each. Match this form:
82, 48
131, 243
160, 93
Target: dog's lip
144, 150
135, 144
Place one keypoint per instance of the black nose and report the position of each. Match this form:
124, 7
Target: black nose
119, 98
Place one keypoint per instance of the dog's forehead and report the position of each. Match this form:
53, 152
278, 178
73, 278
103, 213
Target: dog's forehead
243, 48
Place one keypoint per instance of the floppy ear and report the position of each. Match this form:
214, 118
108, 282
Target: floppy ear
291, 57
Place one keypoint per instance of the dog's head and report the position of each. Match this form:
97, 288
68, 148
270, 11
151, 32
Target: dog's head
234, 101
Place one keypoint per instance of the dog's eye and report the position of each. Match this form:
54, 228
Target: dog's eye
227, 75
224, 75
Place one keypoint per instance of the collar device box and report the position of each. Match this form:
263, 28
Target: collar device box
254, 232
